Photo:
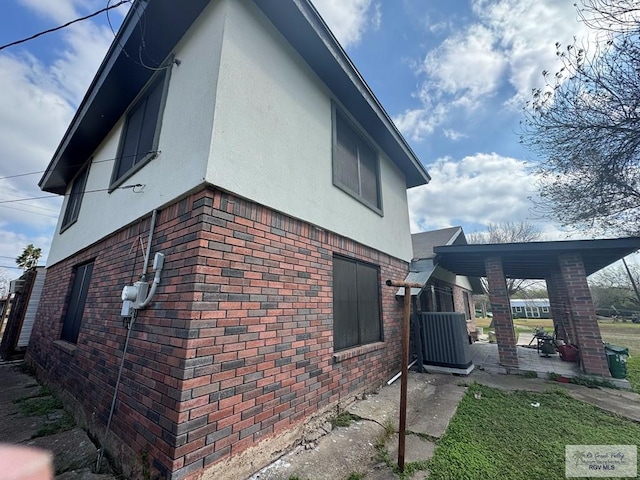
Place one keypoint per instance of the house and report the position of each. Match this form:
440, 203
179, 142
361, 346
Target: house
443, 306
231, 150
19, 312
444, 290
530, 308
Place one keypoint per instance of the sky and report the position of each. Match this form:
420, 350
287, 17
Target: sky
453, 75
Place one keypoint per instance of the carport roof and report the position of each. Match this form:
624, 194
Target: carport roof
533, 260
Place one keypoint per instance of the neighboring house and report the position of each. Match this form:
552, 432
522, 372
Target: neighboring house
531, 308
21, 311
443, 290
444, 305
259, 163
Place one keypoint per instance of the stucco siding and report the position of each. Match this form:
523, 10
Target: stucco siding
245, 113
184, 143
272, 139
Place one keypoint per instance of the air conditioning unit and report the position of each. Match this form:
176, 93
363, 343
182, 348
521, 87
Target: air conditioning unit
16, 286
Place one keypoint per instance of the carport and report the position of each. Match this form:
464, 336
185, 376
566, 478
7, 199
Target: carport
564, 266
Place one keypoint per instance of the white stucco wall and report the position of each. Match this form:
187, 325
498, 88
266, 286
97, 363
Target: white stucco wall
184, 143
245, 113
272, 139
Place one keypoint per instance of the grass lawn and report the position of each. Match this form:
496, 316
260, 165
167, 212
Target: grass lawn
501, 436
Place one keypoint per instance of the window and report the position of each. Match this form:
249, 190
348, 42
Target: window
545, 309
75, 308
75, 199
139, 139
355, 163
467, 304
356, 304
444, 298
518, 309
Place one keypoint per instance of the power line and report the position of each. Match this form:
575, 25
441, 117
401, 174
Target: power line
17, 42
77, 165
29, 211
137, 185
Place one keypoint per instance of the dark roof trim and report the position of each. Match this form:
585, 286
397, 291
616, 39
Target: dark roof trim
121, 77
534, 260
322, 52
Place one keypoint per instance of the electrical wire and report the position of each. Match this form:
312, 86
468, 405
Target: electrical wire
29, 211
137, 185
55, 29
142, 46
157, 152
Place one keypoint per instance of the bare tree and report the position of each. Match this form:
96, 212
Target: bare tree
508, 232
4, 284
585, 123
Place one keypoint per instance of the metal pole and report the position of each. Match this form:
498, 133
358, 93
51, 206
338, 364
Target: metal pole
633, 282
405, 360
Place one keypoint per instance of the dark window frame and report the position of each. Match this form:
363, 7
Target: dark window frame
76, 302
358, 325
364, 143
74, 202
161, 80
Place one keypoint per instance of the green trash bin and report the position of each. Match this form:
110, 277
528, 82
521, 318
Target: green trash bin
617, 360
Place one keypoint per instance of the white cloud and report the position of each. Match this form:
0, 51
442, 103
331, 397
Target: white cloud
478, 189
349, 19
504, 49
466, 65
86, 45
60, 11
421, 122
527, 33
37, 102
453, 134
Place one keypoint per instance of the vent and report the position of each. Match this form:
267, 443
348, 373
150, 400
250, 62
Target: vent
16, 286
445, 339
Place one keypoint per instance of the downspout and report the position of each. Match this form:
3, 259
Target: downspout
156, 281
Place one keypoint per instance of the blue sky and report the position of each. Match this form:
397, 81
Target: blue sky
453, 75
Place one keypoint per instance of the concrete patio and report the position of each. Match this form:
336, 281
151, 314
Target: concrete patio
485, 357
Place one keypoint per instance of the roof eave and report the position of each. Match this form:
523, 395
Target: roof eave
343, 79
120, 78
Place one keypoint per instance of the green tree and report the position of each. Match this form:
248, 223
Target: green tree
29, 257
585, 123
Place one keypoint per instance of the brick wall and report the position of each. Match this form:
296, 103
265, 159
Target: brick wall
501, 309
236, 346
583, 315
463, 304
560, 307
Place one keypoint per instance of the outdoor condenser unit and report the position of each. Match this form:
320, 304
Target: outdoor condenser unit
445, 339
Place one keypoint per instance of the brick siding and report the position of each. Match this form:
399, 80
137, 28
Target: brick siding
583, 315
235, 347
501, 309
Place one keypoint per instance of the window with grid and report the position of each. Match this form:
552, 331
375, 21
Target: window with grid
139, 140
75, 199
356, 303
355, 163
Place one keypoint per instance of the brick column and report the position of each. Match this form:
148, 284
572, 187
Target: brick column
583, 313
560, 309
501, 308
